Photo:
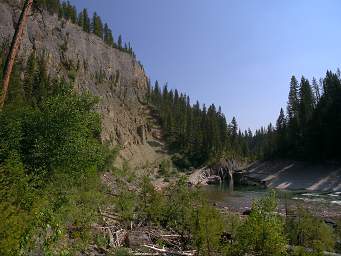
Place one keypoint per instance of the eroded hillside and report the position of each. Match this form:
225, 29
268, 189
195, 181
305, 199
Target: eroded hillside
113, 75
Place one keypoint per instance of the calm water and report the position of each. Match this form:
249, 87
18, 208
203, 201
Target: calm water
241, 198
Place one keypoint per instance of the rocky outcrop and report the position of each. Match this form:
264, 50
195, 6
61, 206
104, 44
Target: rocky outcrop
222, 171
114, 76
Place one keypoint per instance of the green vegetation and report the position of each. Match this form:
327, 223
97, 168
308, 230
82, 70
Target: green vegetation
67, 11
50, 156
263, 231
310, 232
211, 232
196, 134
310, 128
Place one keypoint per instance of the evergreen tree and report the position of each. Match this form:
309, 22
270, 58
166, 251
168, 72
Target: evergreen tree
84, 20
306, 104
293, 99
119, 42
97, 25
316, 91
108, 38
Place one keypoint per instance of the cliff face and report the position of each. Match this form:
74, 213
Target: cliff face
115, 76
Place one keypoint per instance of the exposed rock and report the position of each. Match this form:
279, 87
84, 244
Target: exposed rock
136, 239
214, 179
114, 76
224, 170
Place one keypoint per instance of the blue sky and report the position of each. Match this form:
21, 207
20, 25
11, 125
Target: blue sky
239, 54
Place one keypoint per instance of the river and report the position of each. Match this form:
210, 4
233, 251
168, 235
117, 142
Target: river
323, 204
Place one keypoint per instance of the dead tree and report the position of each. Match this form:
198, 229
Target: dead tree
15, 45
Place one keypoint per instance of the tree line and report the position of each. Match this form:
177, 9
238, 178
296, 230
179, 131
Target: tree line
310, 127
197, 133
92, 24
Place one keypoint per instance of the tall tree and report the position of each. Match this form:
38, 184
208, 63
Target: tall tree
16, 41
306, 102
119, 42
316, 91
97, 25
293, 99
84, 20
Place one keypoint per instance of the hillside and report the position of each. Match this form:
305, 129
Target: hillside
113, 75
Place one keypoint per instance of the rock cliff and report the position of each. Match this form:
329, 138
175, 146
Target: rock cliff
115, 76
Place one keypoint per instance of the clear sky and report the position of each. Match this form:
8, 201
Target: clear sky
239, 54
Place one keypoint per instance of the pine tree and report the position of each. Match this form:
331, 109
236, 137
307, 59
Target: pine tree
293, 99
97, 25
281, 133
119, 42
306, 102
108, 38
316, 91
84, 20
234, 129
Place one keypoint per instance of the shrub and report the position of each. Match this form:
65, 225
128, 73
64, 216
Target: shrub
310, 232
262, 233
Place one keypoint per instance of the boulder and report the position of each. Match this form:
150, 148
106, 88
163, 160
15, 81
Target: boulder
214, 179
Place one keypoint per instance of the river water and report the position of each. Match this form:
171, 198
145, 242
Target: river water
240, 199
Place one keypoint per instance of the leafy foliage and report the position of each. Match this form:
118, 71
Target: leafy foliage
308, 231
49, 157
263, 231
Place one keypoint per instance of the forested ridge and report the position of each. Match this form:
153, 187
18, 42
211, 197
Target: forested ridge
197, 133
309, 129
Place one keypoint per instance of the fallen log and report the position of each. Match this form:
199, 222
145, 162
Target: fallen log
170, 252
146, 254
111, 238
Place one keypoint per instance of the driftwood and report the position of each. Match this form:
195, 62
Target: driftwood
146, 253
111, 238
165, 251
118, 235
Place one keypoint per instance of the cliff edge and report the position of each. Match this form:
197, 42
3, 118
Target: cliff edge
116, 77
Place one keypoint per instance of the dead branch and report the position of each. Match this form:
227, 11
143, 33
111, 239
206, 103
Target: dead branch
171, 252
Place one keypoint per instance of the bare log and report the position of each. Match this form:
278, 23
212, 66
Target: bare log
111, 238
15, 45
166, 251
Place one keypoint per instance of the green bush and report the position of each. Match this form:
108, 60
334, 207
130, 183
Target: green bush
49, 185
310, 232
165, 168
262, 233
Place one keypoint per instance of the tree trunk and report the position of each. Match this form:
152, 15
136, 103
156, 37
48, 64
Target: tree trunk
15, 45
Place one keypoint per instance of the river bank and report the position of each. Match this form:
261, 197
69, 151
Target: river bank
294, 175
240, 199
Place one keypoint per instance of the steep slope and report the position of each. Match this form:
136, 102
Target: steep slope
115, 76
